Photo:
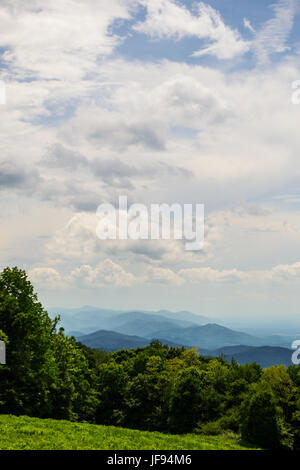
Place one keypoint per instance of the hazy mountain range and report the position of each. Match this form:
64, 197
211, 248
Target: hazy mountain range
88, 319
113, 341
112, 330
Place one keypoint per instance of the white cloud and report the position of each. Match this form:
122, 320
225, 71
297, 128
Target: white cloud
109, 273
207, 274
105, 273
169, 19
278, 274
77, 242
248, 25
139, 117
164, 275
274, 34
46, 278
58, 40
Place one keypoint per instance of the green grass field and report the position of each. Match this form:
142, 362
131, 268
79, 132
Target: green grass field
23, 433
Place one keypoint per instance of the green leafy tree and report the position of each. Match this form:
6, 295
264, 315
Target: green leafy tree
147, 396
30, 369
187, 401
74, 392
112, 383
262, 420
279, 381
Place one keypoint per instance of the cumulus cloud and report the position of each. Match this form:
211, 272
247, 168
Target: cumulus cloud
286, 271
58, 40
207, 274
105, 273
108, 273
279, 274
139, 117
46, 278
164, 275
78, 241
188, 102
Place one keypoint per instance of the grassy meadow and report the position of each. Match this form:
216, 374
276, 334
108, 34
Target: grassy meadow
24, 433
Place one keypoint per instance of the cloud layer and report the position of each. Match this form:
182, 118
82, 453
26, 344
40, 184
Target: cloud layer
85, 122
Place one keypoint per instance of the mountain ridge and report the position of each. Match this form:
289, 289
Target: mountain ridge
113, 341
266, 356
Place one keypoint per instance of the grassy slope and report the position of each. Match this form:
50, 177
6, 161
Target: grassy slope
35, 434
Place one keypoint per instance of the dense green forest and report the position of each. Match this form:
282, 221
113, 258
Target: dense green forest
155, 388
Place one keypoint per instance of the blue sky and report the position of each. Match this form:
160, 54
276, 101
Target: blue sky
162, 101
137, 46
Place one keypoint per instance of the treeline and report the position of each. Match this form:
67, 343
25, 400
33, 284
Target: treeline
154, 388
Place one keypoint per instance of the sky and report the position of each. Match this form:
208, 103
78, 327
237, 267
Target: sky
163, 101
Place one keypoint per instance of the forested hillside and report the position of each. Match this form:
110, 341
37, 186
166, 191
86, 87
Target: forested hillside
153, 388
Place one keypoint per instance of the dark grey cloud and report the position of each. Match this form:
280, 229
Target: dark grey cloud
58, 156
120, 136
113, 171
154, 251
13, 176
87, 181
10, 176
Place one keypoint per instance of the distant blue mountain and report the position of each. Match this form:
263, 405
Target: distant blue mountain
180, 328
88, 319
265, 356
210, 336
113, 341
